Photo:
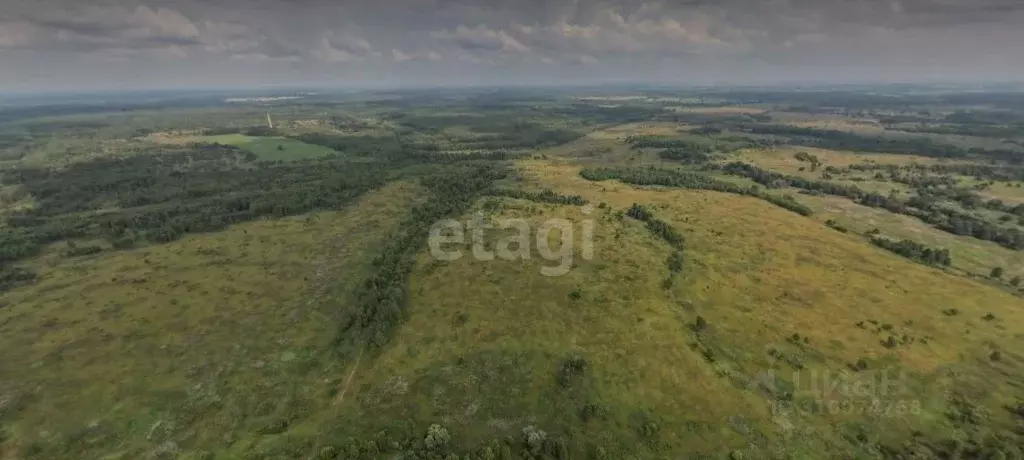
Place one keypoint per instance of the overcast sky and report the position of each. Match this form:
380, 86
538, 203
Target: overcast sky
85, 44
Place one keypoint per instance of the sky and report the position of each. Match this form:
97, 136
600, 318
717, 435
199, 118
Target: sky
140, 44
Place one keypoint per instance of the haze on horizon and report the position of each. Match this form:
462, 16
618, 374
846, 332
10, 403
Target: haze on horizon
125, 44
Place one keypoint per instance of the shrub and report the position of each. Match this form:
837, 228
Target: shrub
534, 439
571, 370
437, 437
996, 273
836, 225
592, 411
648, 429
12, 277
675, 262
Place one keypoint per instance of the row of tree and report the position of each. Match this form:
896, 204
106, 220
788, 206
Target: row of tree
925, 208
658, 227
545, 196
914, 251
685, 156
662, 142
843, 140
382, 301
976, 170
688, 180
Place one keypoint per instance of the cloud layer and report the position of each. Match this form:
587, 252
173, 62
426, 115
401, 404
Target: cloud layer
504, 41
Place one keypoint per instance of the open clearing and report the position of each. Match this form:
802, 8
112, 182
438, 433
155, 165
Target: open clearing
267, 148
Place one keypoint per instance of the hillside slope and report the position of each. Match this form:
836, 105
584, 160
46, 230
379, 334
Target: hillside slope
736, 355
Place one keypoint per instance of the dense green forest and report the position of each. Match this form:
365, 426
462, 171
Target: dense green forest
159, 198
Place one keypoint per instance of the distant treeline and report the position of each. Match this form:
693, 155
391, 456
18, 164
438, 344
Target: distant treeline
385, 147
685, 156
394, 147
925, 207
495, 131
159, 198
688, 180
1001, 132
718, 143
842, 140
979, 171
1001, 124
660, 142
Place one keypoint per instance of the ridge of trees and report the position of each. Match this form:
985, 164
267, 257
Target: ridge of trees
382, 300
545, 196
924, 208
656, 226
687, 180
914, 251
667, 233
842, 140
685, 156
979, 171
643, 142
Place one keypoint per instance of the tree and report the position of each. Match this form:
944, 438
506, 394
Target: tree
1015, 281
996, 272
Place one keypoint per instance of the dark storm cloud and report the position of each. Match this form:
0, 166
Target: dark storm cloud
531, 39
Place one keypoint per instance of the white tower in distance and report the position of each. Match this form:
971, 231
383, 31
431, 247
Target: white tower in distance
269, 122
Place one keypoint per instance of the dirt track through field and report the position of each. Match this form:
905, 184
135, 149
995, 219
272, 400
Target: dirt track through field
348, 379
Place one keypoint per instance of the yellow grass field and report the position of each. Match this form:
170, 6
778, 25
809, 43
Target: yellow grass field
756, 273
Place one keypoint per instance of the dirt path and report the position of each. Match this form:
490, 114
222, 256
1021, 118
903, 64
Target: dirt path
348, 380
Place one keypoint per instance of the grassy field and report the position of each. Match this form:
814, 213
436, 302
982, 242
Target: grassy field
970, 255
202, 343
482, 349
760, 333
782, 158
267, 148
1006, 191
